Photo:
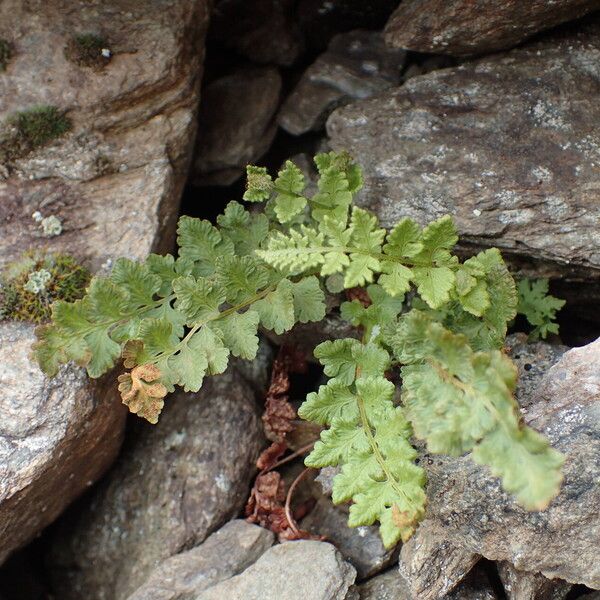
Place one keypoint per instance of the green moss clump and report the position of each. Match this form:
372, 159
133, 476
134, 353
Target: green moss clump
29, 129
6, 51
85, 50
30, 285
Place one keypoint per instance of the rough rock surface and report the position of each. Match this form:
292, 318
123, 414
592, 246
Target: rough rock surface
464, 27
496, 143
392, 586
356, 65
224, 554
115, 180
360, 546
562, 541
174, 484
520, 585
265, 31
236, 123
430, 565
57, 436
304, 570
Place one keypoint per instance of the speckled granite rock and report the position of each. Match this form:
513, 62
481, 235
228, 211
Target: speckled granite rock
115, 180
562, 541
304, 570
222, 555
356, 65
174, 484
236, 124
57, 436
463, 27
432, 566
498, 145
520, 585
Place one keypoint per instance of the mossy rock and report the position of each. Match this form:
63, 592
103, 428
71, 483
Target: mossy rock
6, 52
29, 129
64, 279
86, 50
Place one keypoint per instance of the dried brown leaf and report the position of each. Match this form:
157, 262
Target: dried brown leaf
142, 391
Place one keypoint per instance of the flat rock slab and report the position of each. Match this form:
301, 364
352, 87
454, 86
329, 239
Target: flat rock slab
465, 28
222, 555
57, 437
115, 179
173, 485
509, 146
562, 541
304, 570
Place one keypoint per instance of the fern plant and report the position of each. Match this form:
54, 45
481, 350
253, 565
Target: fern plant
538, 307
176, 320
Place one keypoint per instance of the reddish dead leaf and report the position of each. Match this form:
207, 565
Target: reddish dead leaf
269, 504
359, 294
271, 455
279, 413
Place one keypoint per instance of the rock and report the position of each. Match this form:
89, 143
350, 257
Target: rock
57, 436
360, 546
115, 180
304, 570
496, 144
356, 65
392, 586
430, 565
387, 586
562, 541
224, 554
264, 31
236, 124
466, 28
173, 485
520, 585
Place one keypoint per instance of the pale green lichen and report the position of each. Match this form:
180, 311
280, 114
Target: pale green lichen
51, 226
37, 280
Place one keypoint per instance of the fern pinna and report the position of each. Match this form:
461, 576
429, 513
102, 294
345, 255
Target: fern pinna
176, 320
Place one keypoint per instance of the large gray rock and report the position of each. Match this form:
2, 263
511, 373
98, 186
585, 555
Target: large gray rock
498, 145
236, 124
174, 484
360, 546
430, 565
520, 585
115, 179
464, 27
304, 570
562, 541
57, 437
356, 65
225, 553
